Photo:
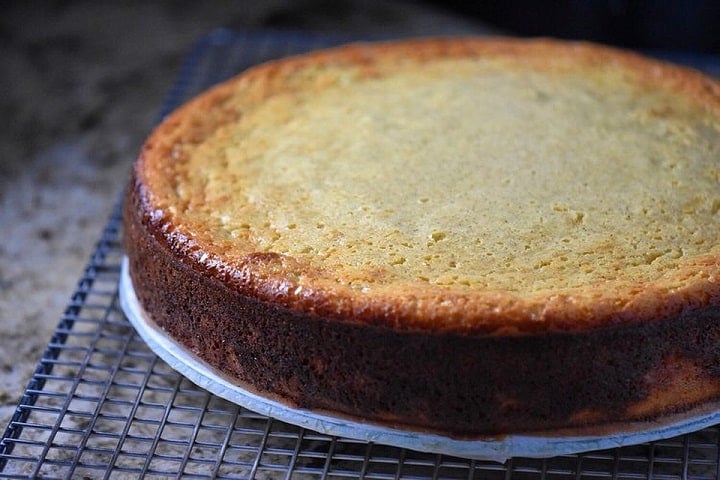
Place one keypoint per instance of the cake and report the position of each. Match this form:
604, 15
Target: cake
471, 237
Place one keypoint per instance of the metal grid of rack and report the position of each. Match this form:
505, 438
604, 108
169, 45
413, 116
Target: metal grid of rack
102, 405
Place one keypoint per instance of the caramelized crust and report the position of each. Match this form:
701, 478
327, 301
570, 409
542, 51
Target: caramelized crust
489, 352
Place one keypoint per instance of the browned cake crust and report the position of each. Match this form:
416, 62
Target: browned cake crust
469, 379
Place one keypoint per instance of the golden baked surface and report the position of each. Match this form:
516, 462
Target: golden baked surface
520, 185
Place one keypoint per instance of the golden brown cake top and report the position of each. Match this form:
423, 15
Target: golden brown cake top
495, 185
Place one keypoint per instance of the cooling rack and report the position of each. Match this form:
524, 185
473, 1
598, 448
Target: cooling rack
100, 404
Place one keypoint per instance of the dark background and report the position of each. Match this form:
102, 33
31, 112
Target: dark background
689, 25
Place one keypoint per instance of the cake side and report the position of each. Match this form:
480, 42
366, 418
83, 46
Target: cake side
461, 385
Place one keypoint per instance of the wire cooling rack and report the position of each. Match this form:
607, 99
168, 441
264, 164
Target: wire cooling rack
101, 405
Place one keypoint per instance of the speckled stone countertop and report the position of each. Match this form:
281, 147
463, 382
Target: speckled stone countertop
81, 85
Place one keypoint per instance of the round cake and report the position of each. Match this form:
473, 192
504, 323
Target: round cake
472, 237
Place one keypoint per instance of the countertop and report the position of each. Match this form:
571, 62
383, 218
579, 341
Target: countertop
81, 85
